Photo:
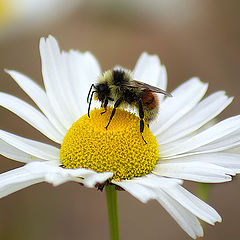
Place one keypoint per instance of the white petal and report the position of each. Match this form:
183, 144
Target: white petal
197, 117
91, 68
89, 178
37, 149
162, 82
30, 174
67, 86
143, 188
215, 133
17, 179
56, 175
195, 205
195, 171
147, 69
92, 179
38, 95
83, 70
11, 152
53, 71
153, 187
30, 115
234, 150
183, 203
229, 141
185, 97
50, 172
187, 221
140, 192
153, 181
10, 188
67, 78
222, 159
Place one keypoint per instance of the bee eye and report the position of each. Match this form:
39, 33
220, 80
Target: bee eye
102, 87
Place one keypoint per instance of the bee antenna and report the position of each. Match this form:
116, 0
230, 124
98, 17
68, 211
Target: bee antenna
90, 102
89, 92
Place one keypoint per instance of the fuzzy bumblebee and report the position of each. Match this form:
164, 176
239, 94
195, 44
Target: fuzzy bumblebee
117, 86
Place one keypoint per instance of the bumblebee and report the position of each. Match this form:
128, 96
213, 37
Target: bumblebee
117, 86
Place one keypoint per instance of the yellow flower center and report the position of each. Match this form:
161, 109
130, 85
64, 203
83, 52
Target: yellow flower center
119, 149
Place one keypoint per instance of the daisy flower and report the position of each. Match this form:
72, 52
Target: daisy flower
178, 147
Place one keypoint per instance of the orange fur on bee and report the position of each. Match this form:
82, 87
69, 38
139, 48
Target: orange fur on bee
150, 100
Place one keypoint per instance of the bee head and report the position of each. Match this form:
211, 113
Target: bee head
102, 91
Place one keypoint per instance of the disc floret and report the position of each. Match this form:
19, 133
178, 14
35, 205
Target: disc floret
119, 149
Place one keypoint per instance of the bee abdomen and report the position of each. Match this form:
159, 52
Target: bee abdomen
150, 105
150, 115
150, 100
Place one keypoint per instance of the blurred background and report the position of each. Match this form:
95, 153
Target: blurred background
192, 38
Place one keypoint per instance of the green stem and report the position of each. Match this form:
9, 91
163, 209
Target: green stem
111, 194
203, 190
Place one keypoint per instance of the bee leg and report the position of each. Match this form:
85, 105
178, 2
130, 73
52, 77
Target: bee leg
141, 115
89, 92
105, 105
117, 103
90, 103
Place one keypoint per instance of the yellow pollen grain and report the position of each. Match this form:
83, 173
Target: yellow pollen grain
119, 149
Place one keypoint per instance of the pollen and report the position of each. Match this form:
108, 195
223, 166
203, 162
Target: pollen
119, 148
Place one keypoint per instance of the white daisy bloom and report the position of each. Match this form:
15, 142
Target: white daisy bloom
177, 148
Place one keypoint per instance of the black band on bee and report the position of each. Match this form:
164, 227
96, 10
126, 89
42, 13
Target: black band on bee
118, 77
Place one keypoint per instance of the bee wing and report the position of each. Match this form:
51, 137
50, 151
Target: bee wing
137, 84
